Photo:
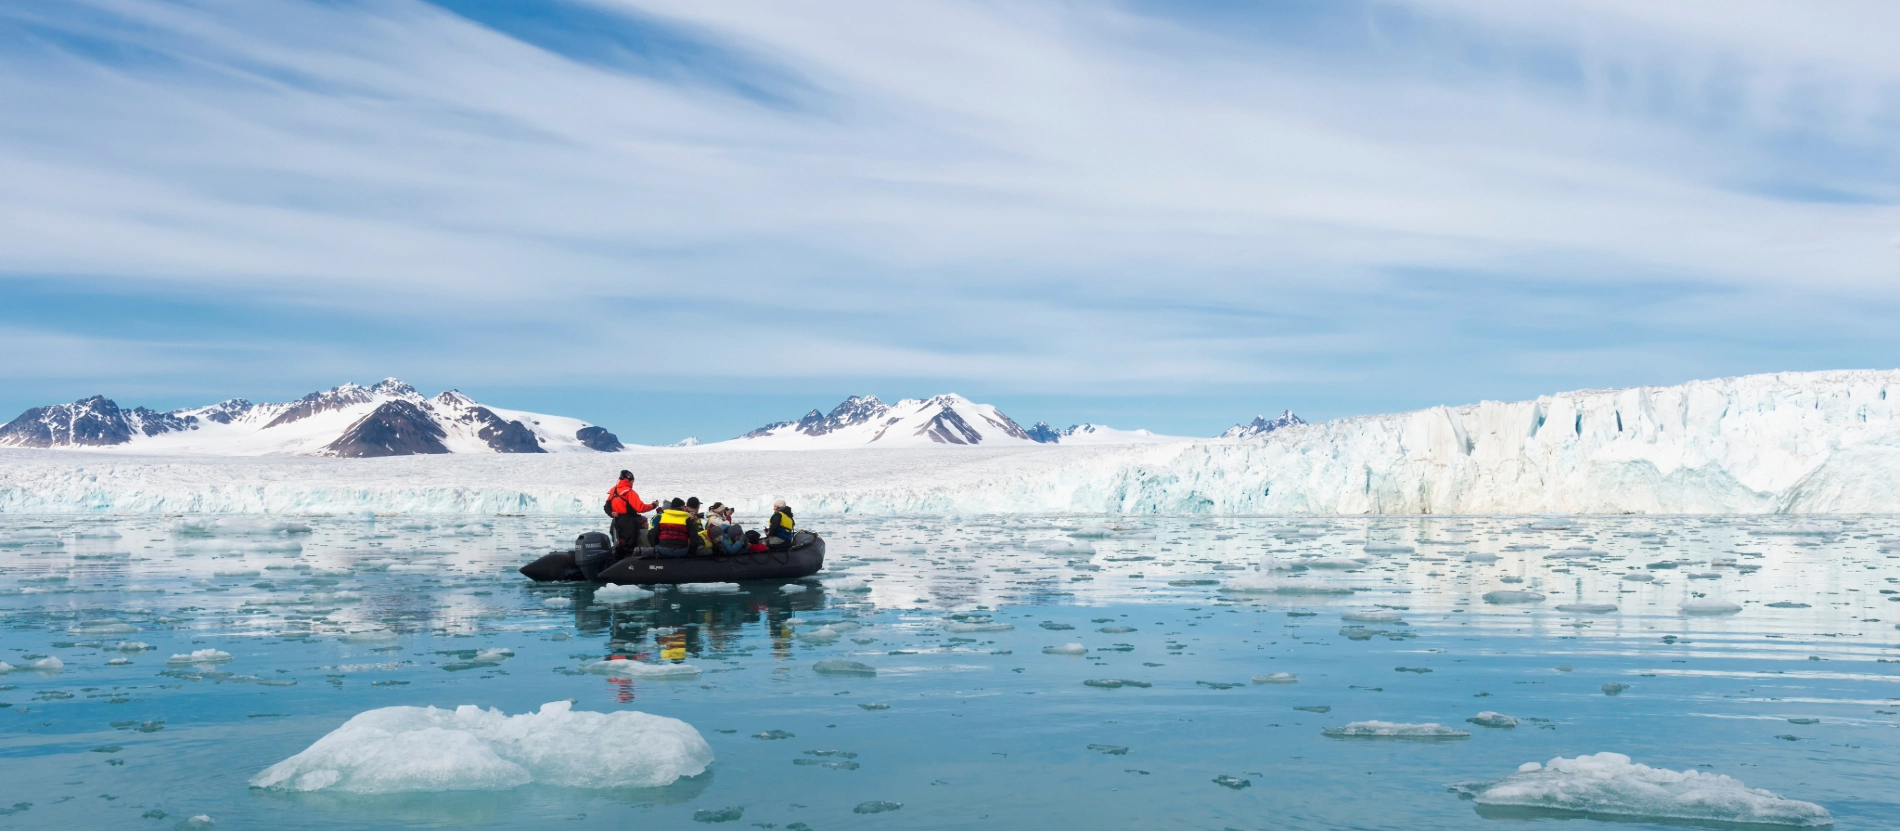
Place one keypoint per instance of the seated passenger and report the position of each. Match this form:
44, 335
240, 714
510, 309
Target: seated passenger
778, 530
731, 540
753, 543
678, 531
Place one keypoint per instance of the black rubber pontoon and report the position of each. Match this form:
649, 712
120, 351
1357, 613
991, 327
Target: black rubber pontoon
645, 567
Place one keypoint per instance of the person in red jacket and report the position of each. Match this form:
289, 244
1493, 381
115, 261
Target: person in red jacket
625, 506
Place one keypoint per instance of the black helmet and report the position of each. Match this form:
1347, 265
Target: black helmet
627, 475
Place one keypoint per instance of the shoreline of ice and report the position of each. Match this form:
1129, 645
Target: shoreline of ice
1799, 443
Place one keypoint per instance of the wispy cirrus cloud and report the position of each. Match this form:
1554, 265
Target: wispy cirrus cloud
1308, 200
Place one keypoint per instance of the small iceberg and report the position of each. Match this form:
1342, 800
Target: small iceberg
640, 669
1392, 730
1608, 786
201, 656
1276, 678
620, 594
1375, 616
1065, 649
1512, 596
1265, 581
50, 666
848, 584
842, 666
1588, 608
412, 749
978, 627
1491, 719
709, 588
1709, 606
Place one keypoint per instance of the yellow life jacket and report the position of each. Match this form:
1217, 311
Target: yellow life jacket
673, 528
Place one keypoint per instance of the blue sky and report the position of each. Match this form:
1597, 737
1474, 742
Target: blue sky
687, 218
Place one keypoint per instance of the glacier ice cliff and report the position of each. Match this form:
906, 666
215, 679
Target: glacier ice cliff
1809, 443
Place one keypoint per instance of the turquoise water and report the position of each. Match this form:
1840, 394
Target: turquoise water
959, 729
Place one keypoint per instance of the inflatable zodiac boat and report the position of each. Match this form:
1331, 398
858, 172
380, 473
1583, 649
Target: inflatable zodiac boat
592, 560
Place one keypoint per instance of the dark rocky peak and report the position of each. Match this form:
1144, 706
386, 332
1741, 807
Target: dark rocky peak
397, 428
947, 427
857, 409
335, 398
452, 399
394, 388
501, 436
597, 438
88, 422
223, 412
1042, 433
153, 423
1261, 425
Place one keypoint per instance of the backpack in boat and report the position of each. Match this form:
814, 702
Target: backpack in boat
593, 553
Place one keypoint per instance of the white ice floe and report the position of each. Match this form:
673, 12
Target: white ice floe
1512, 596
709, 588
44, 665
1610, 786
372, 637
557, 602
1709, 606
1266, 581
405, 749
1372, 616
959, 627
821, 635
1587, 608
847, 584
794, 588
1480, 557
1392, 730
1276, 678
201, 656
641, 669
500, 653
1640, 578
620, 594
1065, 649
1491, 719
129, 646
843, 666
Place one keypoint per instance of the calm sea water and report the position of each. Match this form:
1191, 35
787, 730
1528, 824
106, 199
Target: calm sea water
961, 729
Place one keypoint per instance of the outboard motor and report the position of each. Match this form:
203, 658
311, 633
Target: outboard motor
593, 553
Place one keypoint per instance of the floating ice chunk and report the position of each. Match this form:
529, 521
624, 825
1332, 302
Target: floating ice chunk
1614, 688
841, 666
1575, 552
50, 666
201, 656
103, 627
1266, 582
878, 807
1115, 683
1549, 525
1093, 532
1335, 563
1709, 606
1392, 730
1065, 649
1386, 548
1512, 596
119, 662
1064, 548
1787, 604
790, 588
823, 634
1609, 786
1640, 578
405, 749
978, 627
620, 594
368, 637
640, 669
1372, 616
497, 654
1491, 719
1480, 557
130, 646
557, 602
1276, 678
201, 822
709, 588
1588, 608
848, 584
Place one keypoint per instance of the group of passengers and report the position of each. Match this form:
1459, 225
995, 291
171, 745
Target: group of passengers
679, 527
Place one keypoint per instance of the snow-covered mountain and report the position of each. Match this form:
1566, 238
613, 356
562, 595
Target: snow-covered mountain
863, 420
1096, 434
388, 419
1261, 426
